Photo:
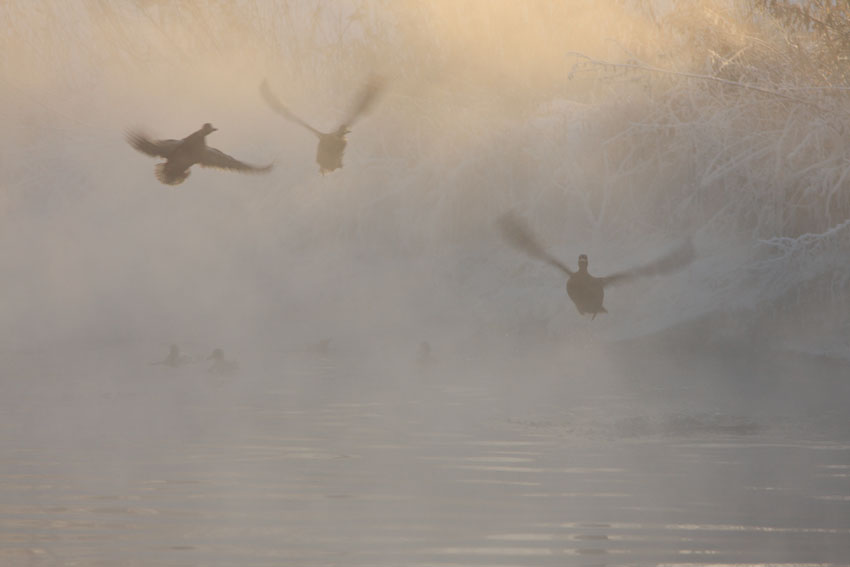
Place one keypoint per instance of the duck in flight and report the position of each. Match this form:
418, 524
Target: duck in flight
180, 155
587, 292
331, 144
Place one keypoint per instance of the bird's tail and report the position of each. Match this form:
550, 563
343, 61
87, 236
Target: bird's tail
595, 313
169, 176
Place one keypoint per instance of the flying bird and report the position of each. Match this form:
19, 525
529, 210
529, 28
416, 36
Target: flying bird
180, 155
331, 144
587, 292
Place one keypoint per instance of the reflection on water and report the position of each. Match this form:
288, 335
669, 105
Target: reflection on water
308, 469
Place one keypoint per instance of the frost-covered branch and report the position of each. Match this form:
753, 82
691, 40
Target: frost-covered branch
640, 66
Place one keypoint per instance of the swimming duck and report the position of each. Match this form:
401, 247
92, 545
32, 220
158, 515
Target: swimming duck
321, 348
174, 358
587, 292
424, 355
220, 365
331, 144
180, 155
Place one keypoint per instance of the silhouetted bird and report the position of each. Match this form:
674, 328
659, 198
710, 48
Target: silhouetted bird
180, 155
321, 348
331, 144
220, 365
174, 358
586, 291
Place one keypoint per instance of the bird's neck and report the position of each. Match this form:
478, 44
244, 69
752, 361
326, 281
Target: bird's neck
199, 137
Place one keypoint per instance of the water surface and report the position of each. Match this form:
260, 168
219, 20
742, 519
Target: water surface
326, 462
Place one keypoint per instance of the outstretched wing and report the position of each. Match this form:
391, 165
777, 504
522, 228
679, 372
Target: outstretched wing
155, 148
215, 158
278, 107
365, 100
673, 261
519, 235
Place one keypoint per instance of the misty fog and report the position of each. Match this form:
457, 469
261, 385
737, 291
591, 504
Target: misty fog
400, 385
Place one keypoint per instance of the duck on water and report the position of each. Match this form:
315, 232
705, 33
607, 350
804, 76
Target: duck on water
220, 365
587, 292
180, 155
175, 358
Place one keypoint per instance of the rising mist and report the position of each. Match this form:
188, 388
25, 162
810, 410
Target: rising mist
616, 129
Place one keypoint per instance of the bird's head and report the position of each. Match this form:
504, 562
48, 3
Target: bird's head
582, 262
217, 354
208, 129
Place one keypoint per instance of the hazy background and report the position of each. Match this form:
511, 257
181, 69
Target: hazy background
488, 108
615, 128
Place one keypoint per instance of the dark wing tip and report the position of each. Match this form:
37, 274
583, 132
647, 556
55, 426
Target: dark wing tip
143, 144
673, 261
269, 96
155, 148
136, 139
259, 168
265, 89
366, 99
518, 234
276, 105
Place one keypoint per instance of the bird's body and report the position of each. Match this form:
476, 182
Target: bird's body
181, 155
175, 359
587, 292
330, 150
220, 365
331, 144
321, 348
424, 356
